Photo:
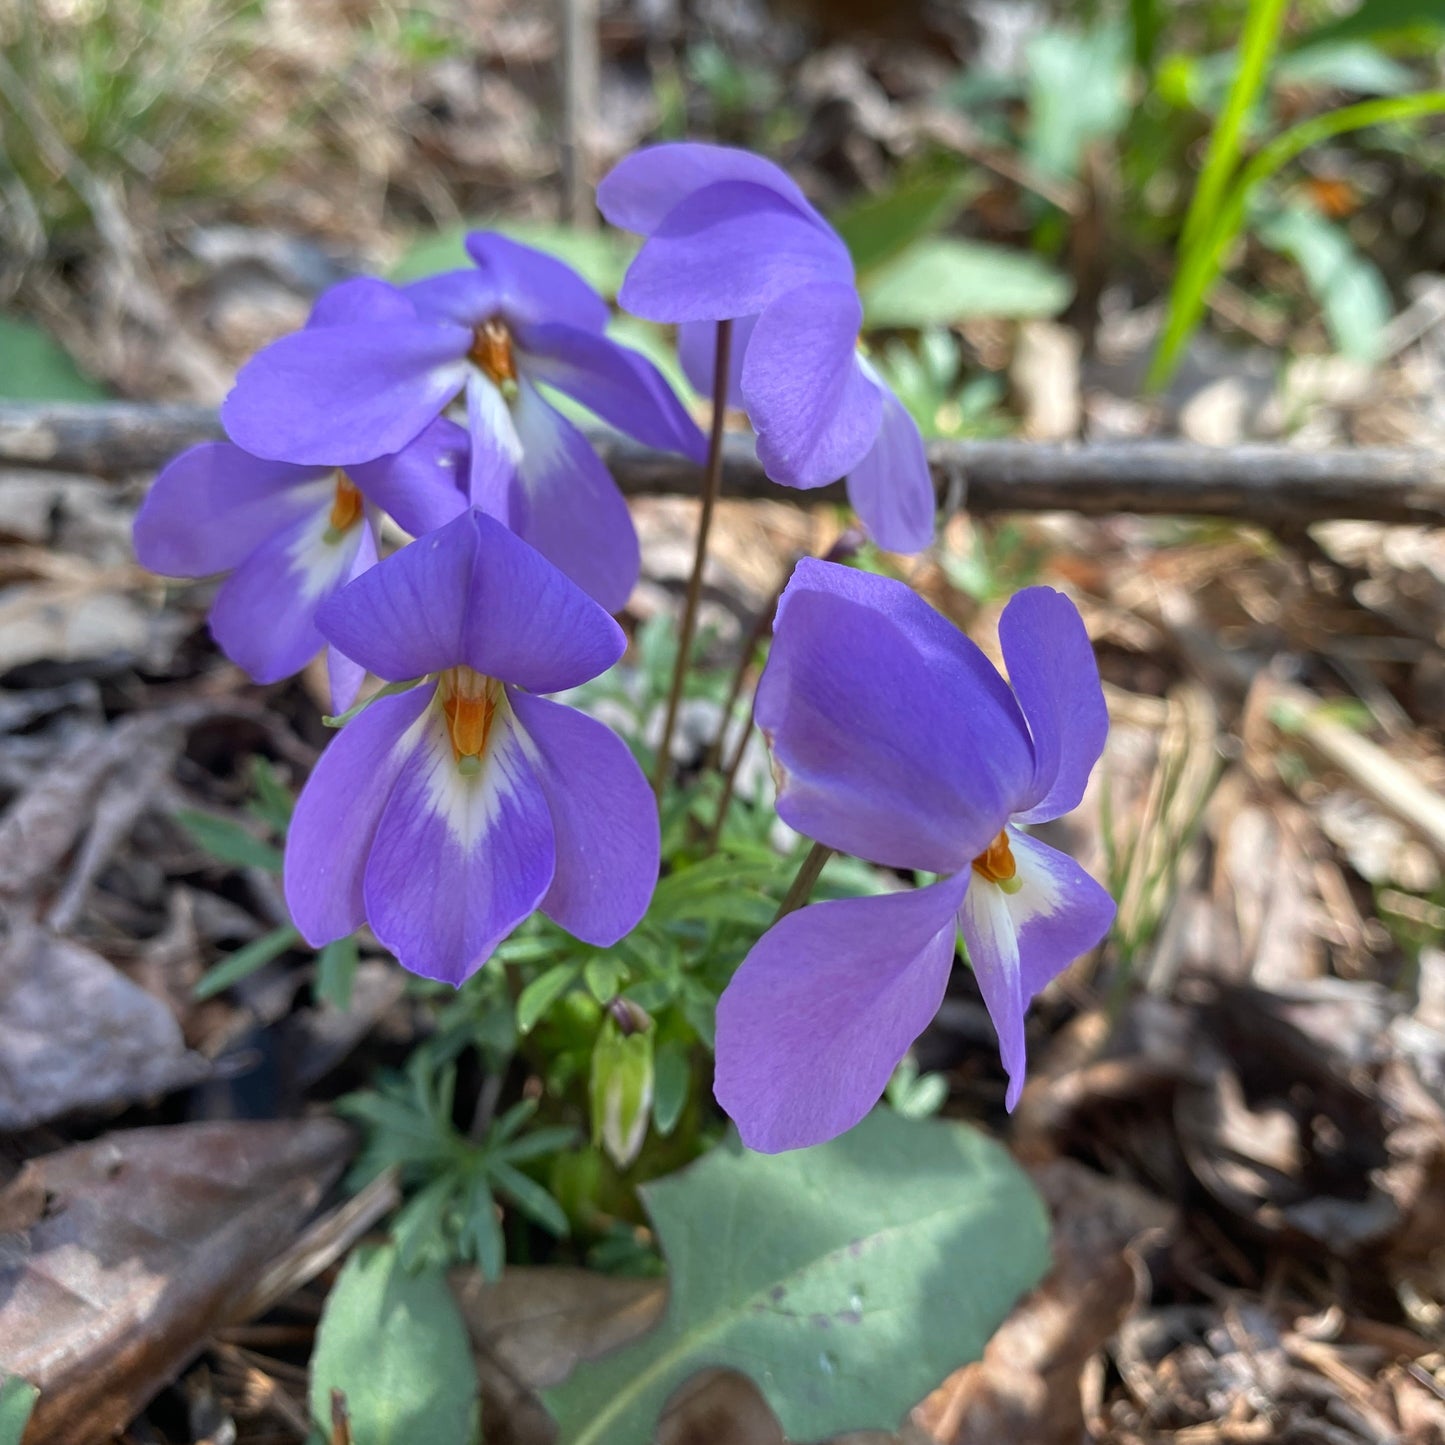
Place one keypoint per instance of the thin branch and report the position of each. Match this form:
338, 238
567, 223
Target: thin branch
711, 485
1270, 485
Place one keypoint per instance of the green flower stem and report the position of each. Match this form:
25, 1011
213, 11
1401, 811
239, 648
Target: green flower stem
711, 483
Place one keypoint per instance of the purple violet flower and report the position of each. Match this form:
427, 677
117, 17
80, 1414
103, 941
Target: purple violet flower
289, 536
486, 337
895, 739
731, 237
446, 812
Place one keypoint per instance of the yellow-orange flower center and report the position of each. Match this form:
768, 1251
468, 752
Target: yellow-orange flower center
996, 863
346, 505
492, 351
469, 703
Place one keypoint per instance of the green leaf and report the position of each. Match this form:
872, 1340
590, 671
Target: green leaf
17, 1400
1351, 292
943, 280
1351, 65
1078, 93
335, 971
915, 1095
33, 367
621, 1091
671, 1078
877, 228
603, 977
228, 842
245, 961
1375, 18
274, 804
1201, 262
542, 993
601, 258
529, 1197
846, 1280
487, 1246
396, 1346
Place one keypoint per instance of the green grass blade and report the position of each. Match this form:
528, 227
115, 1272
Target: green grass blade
1203, 263
245, 961
1262, 25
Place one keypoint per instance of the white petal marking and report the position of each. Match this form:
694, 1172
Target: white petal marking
989, 910
468, 805
1040, 894
321, 566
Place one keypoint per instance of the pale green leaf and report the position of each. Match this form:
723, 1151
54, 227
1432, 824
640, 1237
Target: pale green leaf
942, 280
1350, 291
33, 367
1078, 94
1351, 65
17, 1399
395, 1345
847, 1280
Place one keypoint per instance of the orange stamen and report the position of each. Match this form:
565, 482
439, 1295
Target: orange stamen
492, 351
346, 506
469, 702
996, 862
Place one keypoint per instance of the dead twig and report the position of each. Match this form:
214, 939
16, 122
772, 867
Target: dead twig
1266, 485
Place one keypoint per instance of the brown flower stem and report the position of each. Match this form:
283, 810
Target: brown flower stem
807, 877
711, 482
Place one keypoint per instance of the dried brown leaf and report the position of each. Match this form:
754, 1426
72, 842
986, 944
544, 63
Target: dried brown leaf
149, 1239
530, 1329
42, 824
1027, 1388
76, 1034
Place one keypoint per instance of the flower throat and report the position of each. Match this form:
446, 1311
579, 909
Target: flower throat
996, 864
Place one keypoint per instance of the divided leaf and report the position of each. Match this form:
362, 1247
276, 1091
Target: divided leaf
846, 1280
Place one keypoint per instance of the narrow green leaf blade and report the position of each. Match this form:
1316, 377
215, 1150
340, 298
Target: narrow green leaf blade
671, 1080
228, 842
395, 1345
245, 961
336, 971
847, 1280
